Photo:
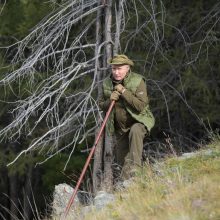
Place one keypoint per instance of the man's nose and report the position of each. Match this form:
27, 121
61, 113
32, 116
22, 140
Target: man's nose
117, 71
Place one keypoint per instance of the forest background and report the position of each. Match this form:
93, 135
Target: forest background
52, 63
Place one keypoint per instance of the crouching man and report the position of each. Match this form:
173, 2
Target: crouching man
131, 119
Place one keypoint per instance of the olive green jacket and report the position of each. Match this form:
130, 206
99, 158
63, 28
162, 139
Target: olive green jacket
134, 99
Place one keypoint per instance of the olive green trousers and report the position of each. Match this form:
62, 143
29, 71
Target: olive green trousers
128, 149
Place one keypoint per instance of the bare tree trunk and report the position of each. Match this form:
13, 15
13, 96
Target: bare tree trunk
108, 153
103, 159
97, 165
118, 22
108, 25
100, 154
108, 161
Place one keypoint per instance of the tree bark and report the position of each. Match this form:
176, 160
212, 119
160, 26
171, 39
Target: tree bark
97, 167
100, 180
97, 164
108, 161
108, 153
118, 22
108, 34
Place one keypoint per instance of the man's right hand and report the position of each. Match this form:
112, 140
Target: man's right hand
115, 96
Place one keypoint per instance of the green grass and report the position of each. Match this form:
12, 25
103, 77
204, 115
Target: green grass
175, 189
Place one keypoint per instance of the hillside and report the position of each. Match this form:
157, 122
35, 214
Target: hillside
176, 188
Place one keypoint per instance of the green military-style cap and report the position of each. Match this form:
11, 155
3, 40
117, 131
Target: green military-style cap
121, 59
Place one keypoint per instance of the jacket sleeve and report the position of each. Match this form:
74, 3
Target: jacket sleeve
139, 99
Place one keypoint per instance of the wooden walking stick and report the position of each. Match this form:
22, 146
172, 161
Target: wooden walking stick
71, 201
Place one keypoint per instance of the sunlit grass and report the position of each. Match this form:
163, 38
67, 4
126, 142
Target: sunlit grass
174, 189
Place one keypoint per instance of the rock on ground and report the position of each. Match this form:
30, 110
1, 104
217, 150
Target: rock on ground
63, 193
61, 197
102, 199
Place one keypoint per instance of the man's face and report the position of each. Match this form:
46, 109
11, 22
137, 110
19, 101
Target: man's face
119, 71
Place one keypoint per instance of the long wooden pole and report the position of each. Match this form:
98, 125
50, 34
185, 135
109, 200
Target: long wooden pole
71, 201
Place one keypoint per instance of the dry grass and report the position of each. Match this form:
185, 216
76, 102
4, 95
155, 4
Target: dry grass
175, 190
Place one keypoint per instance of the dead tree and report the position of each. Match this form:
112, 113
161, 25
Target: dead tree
60, 63
103, 160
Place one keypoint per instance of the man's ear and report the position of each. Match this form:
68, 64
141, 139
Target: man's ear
129, 68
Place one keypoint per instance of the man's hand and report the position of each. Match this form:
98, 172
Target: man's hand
115, 96
120, 88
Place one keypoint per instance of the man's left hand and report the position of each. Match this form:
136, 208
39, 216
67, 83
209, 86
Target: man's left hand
120, 88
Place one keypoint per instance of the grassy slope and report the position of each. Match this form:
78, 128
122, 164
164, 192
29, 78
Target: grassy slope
175, 189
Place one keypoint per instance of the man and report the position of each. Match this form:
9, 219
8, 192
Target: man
131, 118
